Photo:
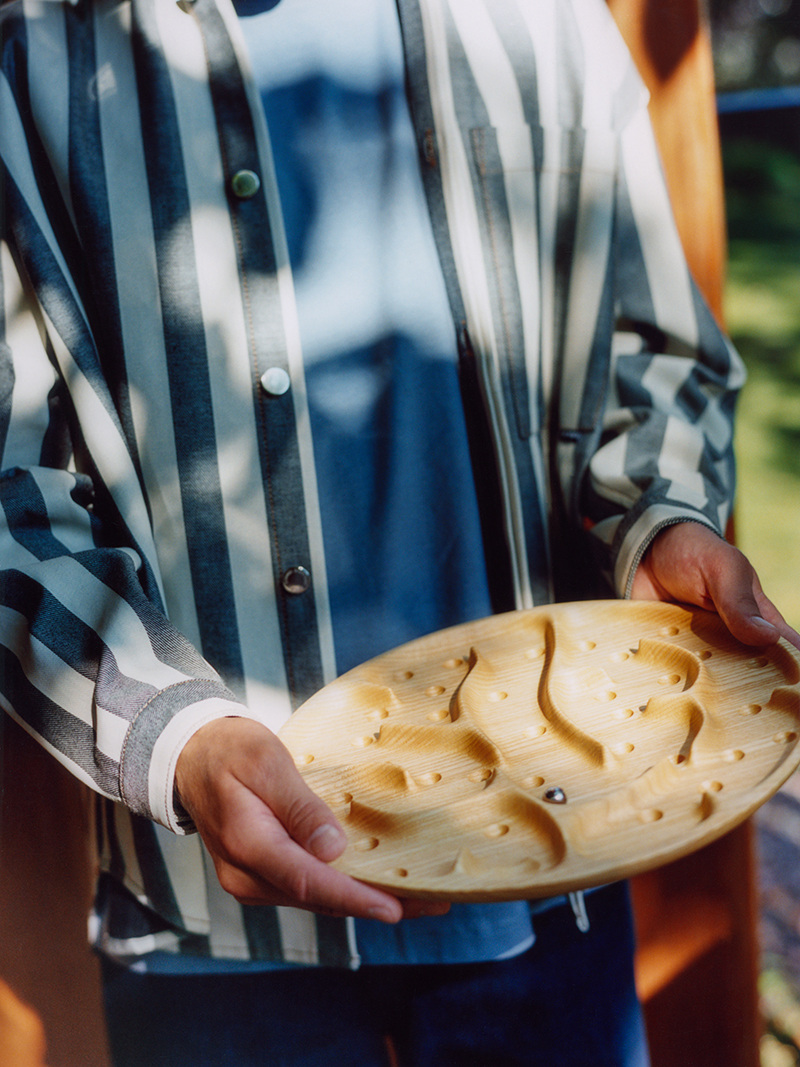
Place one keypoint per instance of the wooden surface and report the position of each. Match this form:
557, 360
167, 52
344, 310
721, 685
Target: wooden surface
698, 961
544, 751
670, 42
22, 1040
46, 874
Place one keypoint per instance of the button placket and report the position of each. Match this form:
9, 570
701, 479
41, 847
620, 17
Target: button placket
290, 534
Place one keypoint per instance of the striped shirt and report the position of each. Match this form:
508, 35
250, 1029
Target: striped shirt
159, 490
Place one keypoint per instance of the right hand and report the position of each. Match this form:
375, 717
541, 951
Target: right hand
271, 837
688, 563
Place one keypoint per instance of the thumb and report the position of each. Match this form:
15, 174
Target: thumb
306, 818
737, 597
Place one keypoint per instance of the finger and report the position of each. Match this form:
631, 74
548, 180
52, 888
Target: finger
258, 862
771, 614
414, 909
741, 604
249, 889
316, 885
269, 867
295, 879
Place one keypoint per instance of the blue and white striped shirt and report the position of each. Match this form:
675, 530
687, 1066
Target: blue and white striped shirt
159, 493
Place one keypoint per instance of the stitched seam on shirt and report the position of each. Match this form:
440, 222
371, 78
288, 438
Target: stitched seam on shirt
477, 141
134, 720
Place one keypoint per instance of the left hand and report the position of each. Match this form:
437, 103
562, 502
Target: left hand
272, 840
689, 564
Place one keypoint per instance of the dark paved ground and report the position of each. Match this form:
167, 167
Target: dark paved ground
778, 838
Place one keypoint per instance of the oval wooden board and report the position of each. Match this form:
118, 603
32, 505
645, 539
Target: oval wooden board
660, 730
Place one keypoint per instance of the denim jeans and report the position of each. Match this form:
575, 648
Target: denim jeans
569, 1001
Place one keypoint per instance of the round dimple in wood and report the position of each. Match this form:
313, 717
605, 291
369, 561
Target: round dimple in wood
544, 751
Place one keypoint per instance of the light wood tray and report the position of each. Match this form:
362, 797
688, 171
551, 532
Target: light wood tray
544, 751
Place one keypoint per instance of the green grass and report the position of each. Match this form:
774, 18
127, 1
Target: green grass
762, 309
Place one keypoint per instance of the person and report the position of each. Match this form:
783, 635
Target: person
326, 325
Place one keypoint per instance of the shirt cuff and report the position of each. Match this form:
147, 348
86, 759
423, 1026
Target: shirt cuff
634, 540
156, 739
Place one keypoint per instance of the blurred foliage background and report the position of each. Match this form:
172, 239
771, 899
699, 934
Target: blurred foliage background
757, 67
756, 43
762, 309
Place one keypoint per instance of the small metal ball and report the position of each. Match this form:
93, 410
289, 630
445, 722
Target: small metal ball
556, 795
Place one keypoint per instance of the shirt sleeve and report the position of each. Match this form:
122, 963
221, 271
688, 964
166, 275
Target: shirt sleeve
91, 666
665, 452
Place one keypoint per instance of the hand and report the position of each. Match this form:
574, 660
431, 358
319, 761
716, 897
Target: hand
689, 564
271, 838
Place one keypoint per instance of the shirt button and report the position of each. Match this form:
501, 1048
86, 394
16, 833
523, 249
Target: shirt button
296, 580
245, 183
275, 381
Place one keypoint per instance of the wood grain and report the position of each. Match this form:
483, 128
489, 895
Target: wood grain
543, 751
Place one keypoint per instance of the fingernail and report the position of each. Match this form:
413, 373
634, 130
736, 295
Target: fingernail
762, 624
434, 908
325, 840
384, 915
